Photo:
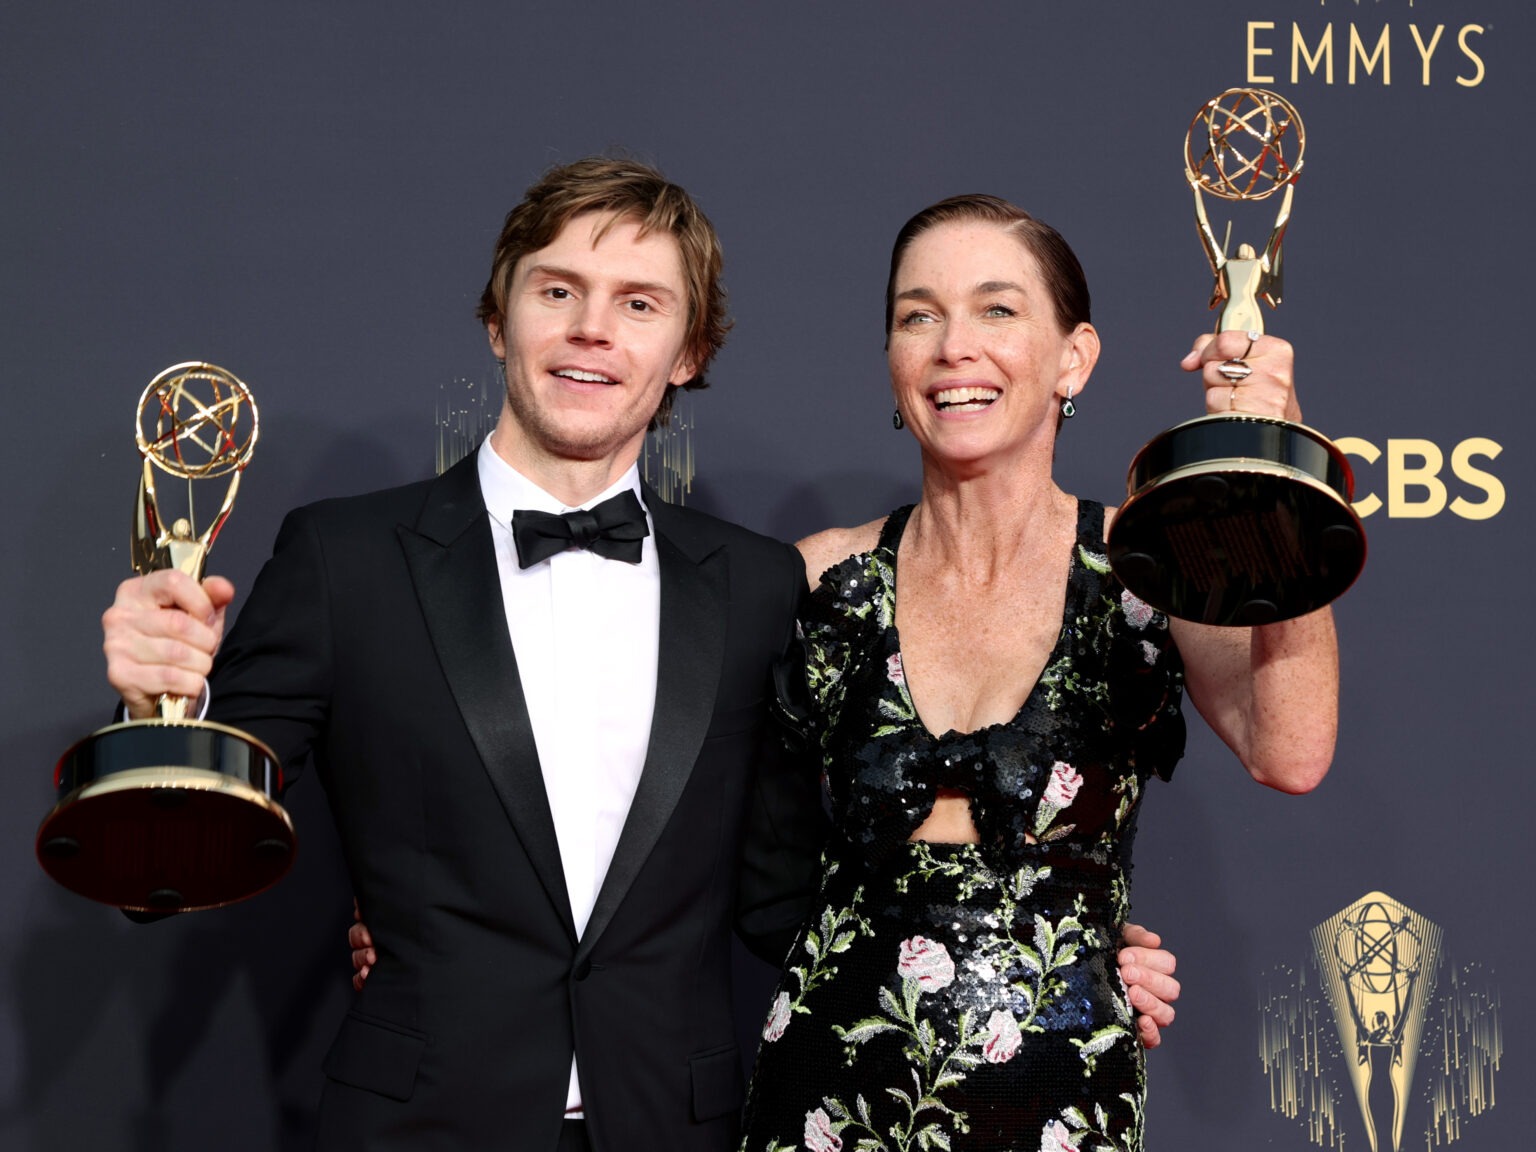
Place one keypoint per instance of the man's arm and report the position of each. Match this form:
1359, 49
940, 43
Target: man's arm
787, 824
1145, 966
272, 674
781, 851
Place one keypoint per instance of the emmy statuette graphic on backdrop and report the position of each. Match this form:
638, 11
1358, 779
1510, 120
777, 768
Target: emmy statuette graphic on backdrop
174, 814
1379, 1013
1238, 519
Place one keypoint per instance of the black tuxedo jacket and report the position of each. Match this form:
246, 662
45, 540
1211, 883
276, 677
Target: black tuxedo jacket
374, 644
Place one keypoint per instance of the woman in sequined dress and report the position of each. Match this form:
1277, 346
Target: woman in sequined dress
987, 733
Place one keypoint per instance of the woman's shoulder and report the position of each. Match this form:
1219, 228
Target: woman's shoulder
1109, 517
823, 550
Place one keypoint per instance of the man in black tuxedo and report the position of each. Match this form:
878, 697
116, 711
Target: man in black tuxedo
537, 697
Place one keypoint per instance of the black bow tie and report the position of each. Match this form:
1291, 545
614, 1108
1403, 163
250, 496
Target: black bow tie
612, 529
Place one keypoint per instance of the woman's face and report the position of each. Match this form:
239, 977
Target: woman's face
978, 363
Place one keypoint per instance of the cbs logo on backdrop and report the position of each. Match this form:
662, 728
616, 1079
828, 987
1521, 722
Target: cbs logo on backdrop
1413, 479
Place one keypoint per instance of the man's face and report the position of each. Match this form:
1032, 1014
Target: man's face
593, 335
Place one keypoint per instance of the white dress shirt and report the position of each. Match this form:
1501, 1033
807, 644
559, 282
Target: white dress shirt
586, 632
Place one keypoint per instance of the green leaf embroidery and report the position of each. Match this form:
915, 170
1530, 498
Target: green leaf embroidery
1093, 561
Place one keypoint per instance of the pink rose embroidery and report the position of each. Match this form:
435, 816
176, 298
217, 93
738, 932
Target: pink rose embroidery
819, 1136
928, 962
893, 671
778, 1019
1062, 789
1138, 613
1003, 1038
1056, 1138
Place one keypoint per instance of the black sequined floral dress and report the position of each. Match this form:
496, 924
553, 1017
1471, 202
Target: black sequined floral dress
951, 996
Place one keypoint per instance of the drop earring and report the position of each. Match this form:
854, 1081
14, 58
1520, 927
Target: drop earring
896, 421
1068, 409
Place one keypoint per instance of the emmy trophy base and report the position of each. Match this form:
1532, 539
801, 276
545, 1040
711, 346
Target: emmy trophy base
139, 827
1238, 520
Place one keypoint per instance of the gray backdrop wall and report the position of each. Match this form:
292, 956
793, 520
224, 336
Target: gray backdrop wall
307, 194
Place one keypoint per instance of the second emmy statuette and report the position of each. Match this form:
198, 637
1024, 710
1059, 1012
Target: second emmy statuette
173, 814
1240, 519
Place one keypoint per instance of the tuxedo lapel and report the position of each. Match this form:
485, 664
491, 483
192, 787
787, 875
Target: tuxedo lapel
452, 559
694, 590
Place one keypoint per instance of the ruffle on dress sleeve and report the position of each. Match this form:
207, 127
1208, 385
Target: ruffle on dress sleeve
792, 708
1146, 678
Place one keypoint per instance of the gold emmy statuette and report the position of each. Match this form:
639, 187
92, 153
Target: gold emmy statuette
1240, 519
174, 814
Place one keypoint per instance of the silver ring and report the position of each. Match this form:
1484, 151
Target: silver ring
1253, 338
1232, 399
1235, 370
